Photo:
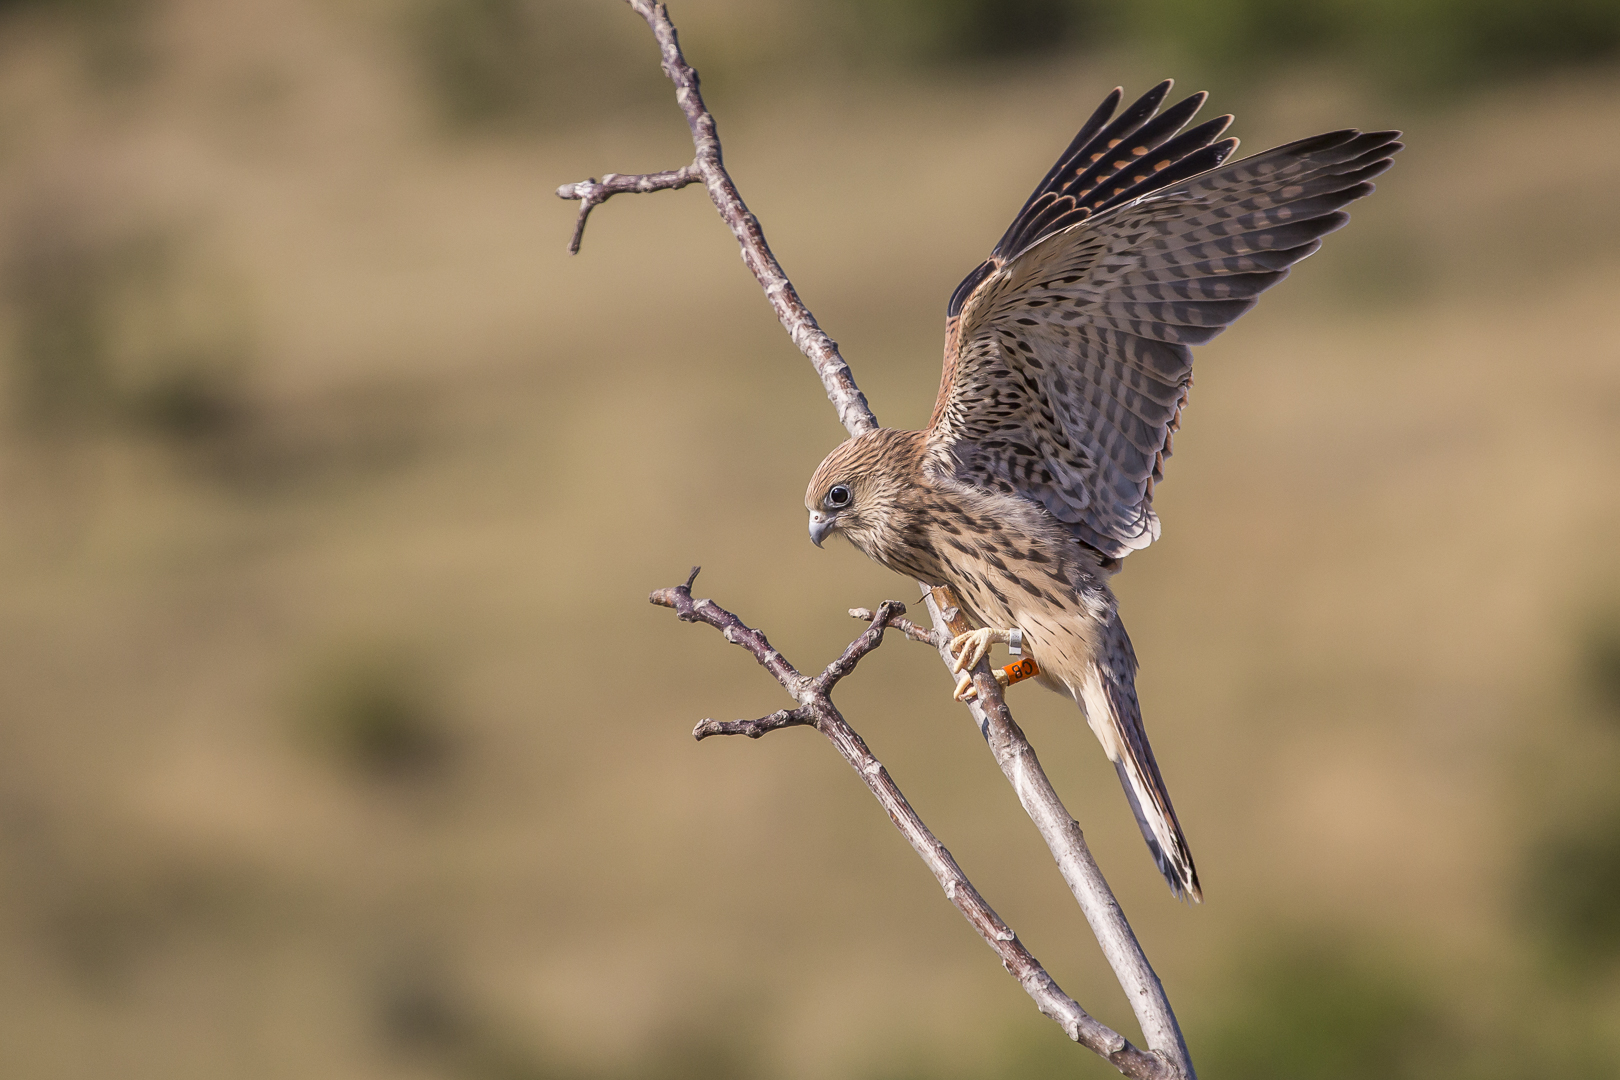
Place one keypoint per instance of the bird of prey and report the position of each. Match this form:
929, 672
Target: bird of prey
1067, 364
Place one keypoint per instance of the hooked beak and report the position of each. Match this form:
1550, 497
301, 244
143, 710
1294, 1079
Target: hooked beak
820, 525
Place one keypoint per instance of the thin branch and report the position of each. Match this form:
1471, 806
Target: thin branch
1065, 841
1012, 751
778, 720
906, 626
593, 193
841, 667
853, 411
816, 709
689, 610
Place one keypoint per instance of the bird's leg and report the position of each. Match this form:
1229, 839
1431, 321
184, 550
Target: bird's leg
1005, 676
967, 650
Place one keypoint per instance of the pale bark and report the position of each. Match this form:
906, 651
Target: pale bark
816, 709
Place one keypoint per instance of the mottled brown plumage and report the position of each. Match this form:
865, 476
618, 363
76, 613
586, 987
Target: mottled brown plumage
1067, 365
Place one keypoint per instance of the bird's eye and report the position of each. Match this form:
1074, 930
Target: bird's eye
838, 496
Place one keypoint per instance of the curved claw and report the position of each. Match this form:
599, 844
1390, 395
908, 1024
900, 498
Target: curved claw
973, 646
965, 690
967, 649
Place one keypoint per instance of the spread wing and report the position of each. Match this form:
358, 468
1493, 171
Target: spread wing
1067, 356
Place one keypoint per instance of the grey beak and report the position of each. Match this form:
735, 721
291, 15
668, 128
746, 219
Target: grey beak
820, 526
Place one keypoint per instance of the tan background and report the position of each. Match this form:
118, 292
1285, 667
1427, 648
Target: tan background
337, 738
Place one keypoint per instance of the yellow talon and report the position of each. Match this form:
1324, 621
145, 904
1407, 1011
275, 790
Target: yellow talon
1005, 676
969, 648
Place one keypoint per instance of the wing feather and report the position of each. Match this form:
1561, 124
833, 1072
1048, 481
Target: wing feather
1069, 356
1108, 155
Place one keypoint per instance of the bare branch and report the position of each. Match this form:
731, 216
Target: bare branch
816, 709
779, 719
801, 326
889, 609
1067, 843
1013, 753
906, 626
592, 193
689, 610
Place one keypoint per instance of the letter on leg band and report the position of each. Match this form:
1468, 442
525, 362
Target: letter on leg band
1024, 669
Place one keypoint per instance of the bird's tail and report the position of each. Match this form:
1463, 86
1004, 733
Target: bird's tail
1108, 697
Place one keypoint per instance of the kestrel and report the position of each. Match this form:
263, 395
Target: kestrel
1067, 364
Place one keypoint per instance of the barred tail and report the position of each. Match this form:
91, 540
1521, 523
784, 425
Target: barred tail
1108, 697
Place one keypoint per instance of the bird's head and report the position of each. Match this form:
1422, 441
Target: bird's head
858, 484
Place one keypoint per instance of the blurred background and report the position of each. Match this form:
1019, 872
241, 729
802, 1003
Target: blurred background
337, 738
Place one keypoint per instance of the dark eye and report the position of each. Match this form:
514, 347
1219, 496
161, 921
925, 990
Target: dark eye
838, 496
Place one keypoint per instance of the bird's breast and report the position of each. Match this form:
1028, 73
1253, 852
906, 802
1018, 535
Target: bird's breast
1015, 569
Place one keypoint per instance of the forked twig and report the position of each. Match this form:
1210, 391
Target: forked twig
593, 192
1016, 758
909, 628
816, 709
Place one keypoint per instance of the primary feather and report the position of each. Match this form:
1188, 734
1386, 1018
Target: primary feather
1068, 365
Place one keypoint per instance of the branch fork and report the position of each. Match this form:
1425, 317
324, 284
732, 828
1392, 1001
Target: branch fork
816, 709
813, 693
905, 626
593, 192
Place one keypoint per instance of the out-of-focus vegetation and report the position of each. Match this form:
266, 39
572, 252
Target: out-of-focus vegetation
120, 330
490, 62
1428, 44
1307, 1011
560, 60
338, 739
1574, 875
1600, 662
374, 710
1572, 871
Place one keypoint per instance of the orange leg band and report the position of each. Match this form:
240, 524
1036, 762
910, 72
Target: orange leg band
1023, 669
